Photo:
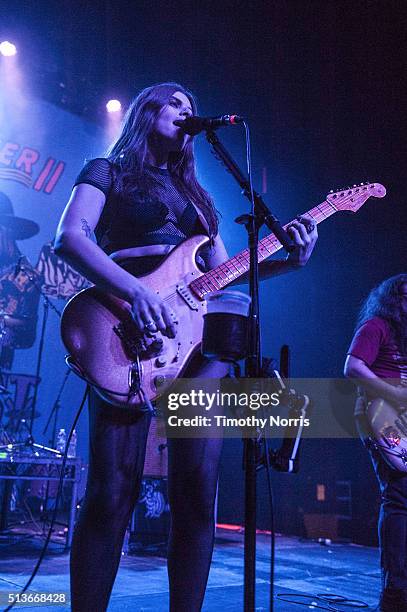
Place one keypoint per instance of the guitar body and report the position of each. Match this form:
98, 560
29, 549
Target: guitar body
389, 428
104, 344
125, 366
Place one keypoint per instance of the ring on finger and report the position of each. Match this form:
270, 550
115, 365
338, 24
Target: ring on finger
149, 325
156, 317
310, 228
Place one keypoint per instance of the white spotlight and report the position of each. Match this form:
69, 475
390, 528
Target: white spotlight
7, 48
113, 106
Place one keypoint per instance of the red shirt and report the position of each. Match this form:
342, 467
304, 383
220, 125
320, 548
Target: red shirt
374, 344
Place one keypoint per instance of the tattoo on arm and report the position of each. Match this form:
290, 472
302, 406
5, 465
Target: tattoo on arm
86, 229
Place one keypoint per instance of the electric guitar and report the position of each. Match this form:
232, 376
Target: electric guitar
126, 367
389, 428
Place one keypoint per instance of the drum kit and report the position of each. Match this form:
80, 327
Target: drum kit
21, 287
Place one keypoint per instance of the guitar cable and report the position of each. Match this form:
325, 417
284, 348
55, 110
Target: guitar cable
57, 500
323, 601
272, 525
147, 407
319, 601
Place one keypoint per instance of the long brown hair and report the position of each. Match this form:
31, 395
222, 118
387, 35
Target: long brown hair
384, 301
129, 152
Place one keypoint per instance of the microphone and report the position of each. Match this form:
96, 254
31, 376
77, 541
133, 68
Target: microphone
194, 125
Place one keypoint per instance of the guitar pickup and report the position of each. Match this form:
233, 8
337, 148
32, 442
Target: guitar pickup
187, 296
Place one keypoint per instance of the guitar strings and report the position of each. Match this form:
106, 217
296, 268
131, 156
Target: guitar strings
271, 238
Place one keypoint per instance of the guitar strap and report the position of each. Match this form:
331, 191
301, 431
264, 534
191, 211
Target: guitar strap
362, 424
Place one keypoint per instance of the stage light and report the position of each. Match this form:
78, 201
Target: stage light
7, 48
113, 119
113, 106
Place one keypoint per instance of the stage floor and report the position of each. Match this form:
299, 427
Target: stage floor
141, 585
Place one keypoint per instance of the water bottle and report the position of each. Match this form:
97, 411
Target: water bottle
72, 445
61, 441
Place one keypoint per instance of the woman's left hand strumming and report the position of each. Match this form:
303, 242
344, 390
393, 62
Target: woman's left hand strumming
304, 233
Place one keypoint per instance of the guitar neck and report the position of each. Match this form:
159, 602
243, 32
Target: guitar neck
236, 266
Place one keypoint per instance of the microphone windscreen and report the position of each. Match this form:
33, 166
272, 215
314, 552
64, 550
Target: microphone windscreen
190, 125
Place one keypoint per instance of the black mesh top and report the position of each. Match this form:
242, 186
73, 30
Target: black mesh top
127, 221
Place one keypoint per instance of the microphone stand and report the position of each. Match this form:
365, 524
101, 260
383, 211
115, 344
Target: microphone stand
55, 410
47, 304
260, 215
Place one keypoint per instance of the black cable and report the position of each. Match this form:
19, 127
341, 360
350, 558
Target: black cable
323, 598
273, 537
38, 367
146, 407
59, 493
333, 598
287, 597
249, 165
256, 234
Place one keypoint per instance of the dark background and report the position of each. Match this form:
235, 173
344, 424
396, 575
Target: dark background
323, 84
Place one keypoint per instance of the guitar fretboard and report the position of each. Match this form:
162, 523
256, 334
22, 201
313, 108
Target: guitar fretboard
236, 266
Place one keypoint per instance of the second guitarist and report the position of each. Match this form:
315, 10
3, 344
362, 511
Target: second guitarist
377, 358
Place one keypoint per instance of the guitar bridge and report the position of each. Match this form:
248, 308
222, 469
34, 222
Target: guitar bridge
134, 345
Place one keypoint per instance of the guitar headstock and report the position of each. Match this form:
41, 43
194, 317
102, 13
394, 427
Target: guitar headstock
352, 198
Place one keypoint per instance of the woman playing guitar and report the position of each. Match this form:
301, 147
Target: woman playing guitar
142, 200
